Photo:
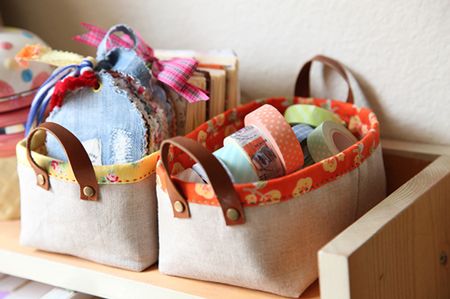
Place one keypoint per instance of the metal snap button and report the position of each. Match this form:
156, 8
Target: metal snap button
233, 214
40, 180
178, 206
88, 191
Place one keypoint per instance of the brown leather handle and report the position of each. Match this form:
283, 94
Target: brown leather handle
78, 159
302, 87
220, 181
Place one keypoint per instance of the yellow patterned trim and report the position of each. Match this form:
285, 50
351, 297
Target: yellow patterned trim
106, 174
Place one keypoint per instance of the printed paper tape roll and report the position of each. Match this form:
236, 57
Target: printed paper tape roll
259, 151
279, 134
238, 163
13, 122
13, 129
310, 115
329, 139
302, 131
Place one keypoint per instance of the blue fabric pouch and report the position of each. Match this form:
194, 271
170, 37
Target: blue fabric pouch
123, 120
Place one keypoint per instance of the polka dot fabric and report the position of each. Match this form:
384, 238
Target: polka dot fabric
275, 128
15, 79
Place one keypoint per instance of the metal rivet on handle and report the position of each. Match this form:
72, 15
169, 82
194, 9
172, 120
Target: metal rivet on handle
88, 191
40, 180
178, 206
233, 214
443, 258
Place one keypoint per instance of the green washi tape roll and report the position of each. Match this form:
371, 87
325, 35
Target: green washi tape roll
310, 115
329, 139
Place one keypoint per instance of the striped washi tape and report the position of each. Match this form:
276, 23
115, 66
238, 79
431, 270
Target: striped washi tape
310, 115
329, 139
13, 129
259, 151
302, 132
279, 134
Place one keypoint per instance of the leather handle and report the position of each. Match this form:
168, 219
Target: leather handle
78, 159
220, 181
302, 87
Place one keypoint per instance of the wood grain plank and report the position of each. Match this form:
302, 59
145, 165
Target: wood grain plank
95, 279
393, 251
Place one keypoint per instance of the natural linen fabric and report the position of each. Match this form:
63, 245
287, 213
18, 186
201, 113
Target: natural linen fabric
276, 249
9, 189
120, 229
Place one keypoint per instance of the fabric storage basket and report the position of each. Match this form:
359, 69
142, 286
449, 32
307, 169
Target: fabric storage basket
264, 235
106, 214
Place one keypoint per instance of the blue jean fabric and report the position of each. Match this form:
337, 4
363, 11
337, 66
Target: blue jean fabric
127, 61
108, 116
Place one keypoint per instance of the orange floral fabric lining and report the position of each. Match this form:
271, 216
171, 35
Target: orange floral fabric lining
362, 122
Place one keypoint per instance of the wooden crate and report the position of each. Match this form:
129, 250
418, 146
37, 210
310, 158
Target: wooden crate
396, 250
400, 248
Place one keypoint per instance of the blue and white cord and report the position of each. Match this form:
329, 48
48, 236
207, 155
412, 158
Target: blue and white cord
45, 92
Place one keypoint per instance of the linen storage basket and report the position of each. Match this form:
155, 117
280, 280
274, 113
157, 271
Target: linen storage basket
263, 235
106, 214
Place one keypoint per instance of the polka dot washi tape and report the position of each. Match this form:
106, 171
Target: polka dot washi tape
277, 131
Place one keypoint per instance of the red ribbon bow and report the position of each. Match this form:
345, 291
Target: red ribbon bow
174, 72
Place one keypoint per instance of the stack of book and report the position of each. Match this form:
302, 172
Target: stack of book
217, 73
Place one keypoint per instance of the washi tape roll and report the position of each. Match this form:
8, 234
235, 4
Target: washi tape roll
13, 129
308, 158
329, 139
259, 151
202, 173
190, 175
279, 134
238, 163
302, 132
13, 122
310, 115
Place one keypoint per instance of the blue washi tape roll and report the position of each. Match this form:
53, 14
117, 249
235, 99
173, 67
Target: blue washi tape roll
302, 132
238, 163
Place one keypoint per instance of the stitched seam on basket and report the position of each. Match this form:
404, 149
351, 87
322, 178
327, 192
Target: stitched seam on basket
134, 180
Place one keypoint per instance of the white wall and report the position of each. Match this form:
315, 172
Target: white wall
398, 50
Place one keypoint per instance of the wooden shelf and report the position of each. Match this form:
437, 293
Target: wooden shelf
367, 258
103, 281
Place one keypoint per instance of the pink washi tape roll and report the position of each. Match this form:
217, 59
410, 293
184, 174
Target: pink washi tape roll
277, 131
260, 152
